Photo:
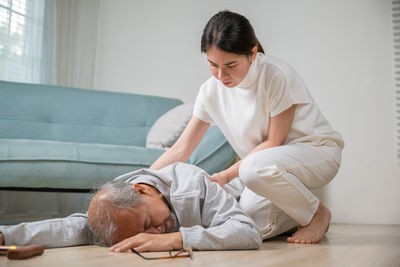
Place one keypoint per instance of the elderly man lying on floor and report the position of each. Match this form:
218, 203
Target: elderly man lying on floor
172, 208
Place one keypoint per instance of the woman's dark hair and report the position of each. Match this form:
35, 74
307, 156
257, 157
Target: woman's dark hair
230, 32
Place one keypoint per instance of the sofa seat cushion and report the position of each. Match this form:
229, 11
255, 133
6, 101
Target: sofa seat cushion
44, 164
67, 165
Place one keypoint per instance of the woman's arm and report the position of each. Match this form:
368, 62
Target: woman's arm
184, 146
278, 130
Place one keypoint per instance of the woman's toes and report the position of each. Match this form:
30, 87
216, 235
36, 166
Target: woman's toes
290, 239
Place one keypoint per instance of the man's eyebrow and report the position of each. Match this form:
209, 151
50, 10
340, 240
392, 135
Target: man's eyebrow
229, 63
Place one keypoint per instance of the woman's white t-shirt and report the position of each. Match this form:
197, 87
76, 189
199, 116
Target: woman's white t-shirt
270, 87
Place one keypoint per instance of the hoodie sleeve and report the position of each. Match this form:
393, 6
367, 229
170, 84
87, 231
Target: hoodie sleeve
70, 231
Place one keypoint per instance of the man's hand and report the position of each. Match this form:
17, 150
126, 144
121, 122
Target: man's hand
220, 178
1, 239
150, 242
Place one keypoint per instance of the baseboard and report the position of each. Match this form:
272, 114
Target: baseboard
365, 217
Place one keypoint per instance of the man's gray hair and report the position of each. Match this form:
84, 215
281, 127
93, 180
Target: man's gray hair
102, 224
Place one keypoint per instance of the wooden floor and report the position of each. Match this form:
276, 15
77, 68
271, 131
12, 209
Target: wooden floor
344, 245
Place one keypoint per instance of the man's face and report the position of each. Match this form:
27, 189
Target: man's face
152, 216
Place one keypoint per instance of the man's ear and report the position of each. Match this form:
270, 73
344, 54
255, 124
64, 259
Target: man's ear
140, 189
144, 189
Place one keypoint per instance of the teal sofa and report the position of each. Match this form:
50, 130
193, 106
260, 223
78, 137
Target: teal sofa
56, 138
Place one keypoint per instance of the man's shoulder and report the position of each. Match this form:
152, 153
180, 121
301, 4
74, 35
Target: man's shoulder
187, 178
186, 172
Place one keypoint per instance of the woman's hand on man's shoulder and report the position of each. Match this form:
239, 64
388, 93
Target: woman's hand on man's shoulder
220, 178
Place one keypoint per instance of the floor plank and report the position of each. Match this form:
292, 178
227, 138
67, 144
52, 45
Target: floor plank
344, 245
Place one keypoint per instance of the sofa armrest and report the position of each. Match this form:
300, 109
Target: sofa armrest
214, 153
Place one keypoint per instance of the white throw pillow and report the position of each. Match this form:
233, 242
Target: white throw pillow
167, 129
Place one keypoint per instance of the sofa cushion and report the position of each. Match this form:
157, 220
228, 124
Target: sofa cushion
167, 129
67, 165
46, 112
214, 153
52, 164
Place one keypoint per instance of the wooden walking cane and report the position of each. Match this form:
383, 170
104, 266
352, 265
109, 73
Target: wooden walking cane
21, 252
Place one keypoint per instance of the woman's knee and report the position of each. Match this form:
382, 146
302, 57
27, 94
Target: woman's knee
246, 171
252, 171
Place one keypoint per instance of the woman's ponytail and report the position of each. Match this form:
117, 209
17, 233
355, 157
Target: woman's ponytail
260, 49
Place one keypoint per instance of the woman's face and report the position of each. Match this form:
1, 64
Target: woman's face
227, 67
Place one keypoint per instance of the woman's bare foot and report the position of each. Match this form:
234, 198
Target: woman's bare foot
315, 230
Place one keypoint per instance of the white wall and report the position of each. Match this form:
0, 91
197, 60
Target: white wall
342, 49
